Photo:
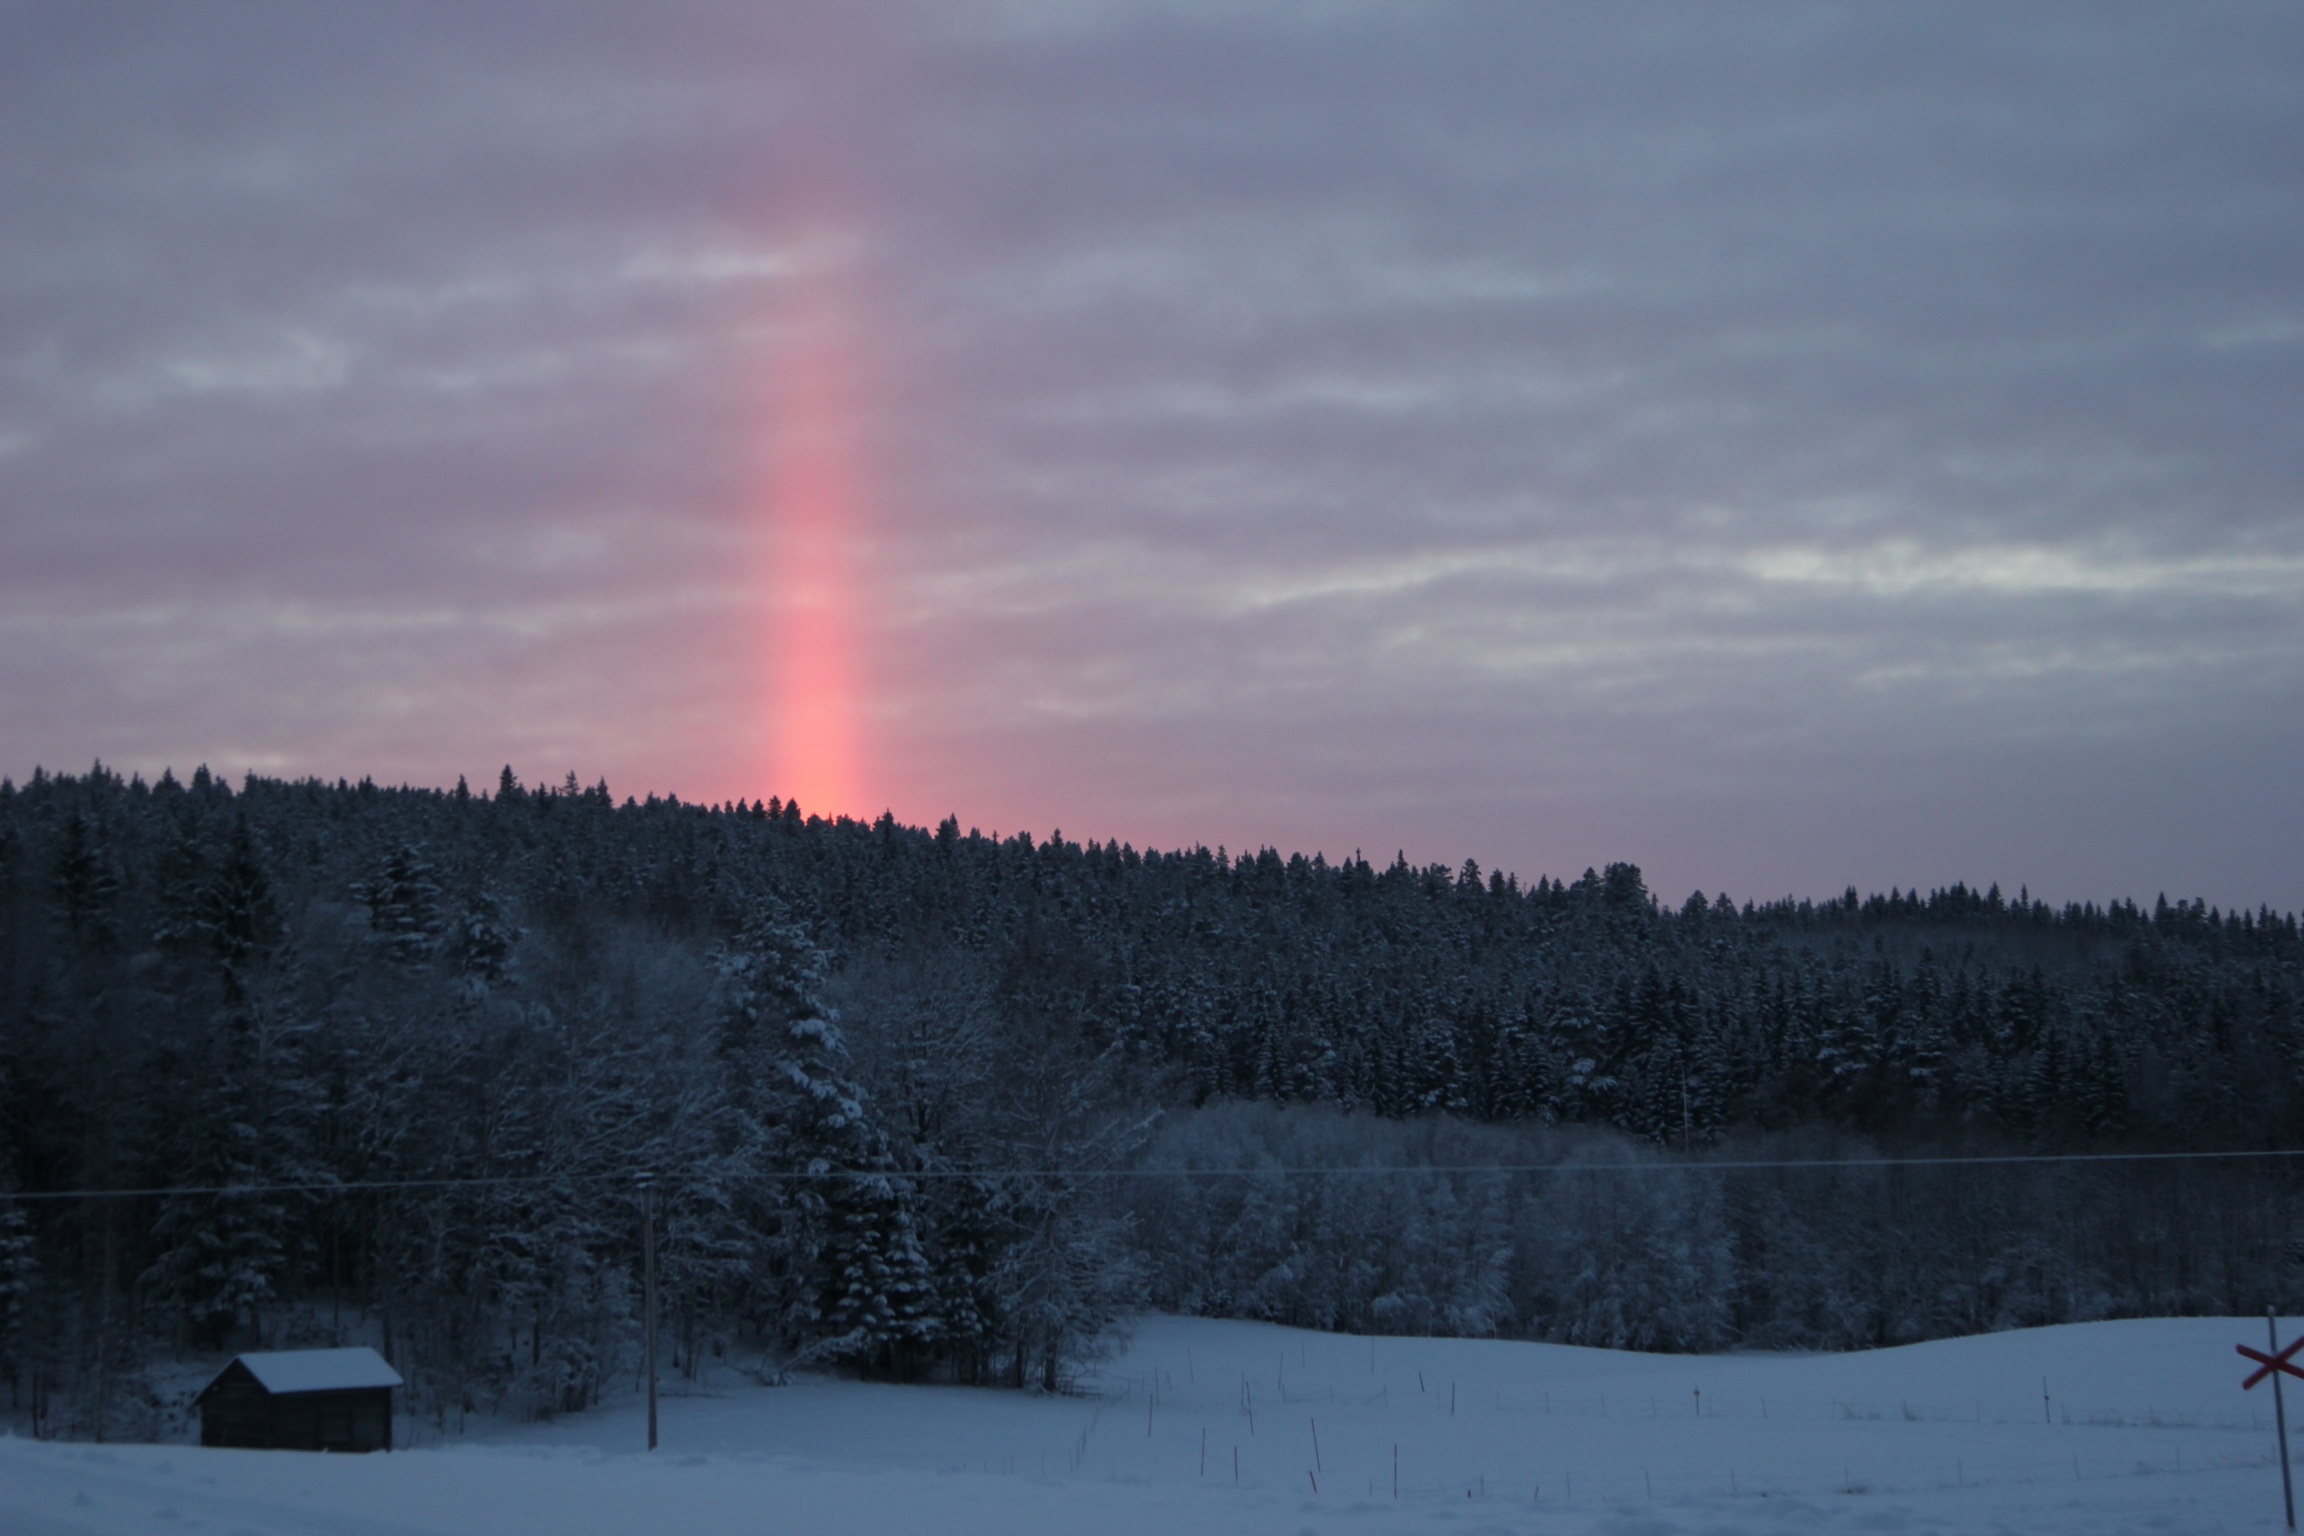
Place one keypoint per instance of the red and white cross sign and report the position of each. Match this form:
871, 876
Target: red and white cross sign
2270, 1363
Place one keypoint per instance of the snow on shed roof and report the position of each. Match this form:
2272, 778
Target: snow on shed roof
320, 1370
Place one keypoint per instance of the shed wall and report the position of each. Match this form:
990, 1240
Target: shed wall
241, 1413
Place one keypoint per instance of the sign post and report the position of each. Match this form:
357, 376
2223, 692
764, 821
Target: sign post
2276, 1365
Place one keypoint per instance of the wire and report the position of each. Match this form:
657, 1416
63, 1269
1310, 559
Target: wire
1365, 1170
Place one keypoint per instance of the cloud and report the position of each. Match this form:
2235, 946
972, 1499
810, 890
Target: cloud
1788, 445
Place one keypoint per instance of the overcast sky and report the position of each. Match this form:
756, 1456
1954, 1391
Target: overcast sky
1783, 446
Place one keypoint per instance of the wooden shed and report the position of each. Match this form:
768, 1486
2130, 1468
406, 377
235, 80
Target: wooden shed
301, 1400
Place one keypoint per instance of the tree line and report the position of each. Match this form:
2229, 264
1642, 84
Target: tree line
931, 1103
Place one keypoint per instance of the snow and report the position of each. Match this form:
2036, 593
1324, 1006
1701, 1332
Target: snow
2123, 1427
320, 1370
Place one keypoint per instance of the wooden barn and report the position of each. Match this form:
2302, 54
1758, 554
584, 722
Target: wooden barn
301, 1400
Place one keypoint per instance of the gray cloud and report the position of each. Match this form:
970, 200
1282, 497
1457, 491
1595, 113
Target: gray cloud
1783, 445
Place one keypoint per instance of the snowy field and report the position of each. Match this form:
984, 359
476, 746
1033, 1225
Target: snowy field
1233, 1427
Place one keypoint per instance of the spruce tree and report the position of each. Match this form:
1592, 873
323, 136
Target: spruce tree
858, 1287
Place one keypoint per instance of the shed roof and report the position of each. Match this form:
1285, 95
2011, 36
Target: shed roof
317, 1370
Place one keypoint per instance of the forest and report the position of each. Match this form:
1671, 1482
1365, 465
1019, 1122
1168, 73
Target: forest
296, 1063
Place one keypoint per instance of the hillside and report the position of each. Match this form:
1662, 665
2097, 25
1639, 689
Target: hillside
934, 1105
2145, 1429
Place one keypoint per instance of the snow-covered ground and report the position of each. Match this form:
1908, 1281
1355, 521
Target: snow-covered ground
1210, 1426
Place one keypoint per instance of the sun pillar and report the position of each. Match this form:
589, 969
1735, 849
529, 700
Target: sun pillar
815, 512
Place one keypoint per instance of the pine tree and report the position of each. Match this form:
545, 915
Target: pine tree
19, 1271
403, 901
858, 1286
250, 1100
236, 912
85, 883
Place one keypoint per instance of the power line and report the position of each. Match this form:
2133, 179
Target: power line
1361, 1170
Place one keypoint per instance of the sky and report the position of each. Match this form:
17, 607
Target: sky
1782, 446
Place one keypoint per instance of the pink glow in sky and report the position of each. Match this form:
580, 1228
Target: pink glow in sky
1783, 446
814, 507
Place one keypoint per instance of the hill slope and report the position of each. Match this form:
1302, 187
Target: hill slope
2145, 1429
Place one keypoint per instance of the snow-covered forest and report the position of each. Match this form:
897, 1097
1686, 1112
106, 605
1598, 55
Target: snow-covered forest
934, 1104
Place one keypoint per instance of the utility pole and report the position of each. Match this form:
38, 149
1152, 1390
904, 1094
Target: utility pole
647, 1183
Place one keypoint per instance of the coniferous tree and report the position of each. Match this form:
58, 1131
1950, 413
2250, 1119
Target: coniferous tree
858, 1286
883, 1071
